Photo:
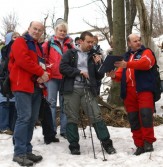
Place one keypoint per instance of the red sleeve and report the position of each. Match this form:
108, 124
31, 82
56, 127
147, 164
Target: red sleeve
25, 58
144, 63
118, 75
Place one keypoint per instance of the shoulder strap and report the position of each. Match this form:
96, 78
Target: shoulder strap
48, 46
153, 55
56, 47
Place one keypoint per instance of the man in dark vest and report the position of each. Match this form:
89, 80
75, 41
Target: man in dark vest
137, 87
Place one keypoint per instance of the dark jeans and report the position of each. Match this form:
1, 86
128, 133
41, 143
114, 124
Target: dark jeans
7, 115
27, 106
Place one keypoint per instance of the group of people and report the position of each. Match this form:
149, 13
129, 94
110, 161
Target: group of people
59, 67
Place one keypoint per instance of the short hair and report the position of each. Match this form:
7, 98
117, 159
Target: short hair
15, 33
61, 24
30, 23
84, 34
128, 39
95, 37
77, 38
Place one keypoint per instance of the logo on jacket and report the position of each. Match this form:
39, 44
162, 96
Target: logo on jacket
138, 56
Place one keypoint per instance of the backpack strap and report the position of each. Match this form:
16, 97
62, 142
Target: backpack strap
48, 46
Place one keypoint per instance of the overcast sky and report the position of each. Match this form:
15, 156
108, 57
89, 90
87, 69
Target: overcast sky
29, 10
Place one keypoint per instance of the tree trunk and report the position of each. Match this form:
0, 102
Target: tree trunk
144, 23
109, 16
130, 16
66, 10
118, 27
151, 17
118, 44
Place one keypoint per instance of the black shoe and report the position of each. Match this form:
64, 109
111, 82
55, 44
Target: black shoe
7, 132
33, 157
64, 135
139, 150
74, 148
54, 140
75, 151
108, 146
23, 160
148, 147
110, 150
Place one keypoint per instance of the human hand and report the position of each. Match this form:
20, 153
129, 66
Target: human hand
122, 64
97, 58
45, 76
111, 74
40, 80
84, 74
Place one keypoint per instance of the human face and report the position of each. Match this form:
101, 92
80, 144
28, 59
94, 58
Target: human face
86, 44
135, 42
15, 36
61, 32
95, 41
36, 30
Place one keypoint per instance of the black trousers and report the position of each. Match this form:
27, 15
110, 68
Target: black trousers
46, 120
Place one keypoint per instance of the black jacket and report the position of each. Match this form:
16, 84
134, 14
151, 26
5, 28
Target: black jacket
68, 68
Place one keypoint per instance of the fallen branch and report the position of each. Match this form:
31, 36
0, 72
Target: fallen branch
101, 102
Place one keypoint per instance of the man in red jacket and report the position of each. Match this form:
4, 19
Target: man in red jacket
27, 75
137, 87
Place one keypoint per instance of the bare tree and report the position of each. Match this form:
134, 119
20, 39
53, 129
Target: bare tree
144, 23
130, 15
109, 15
44, 23
104, 31
155, 13
118, 44
9, 22
107, 30
118, 27
107, 10
49, 22
66, 10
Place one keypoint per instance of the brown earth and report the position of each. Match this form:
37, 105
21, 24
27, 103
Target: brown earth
116, 117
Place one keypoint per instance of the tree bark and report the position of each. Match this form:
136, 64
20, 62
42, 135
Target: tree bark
118, 44
130, 16
109, 16
118, 27
144, 23
66, 10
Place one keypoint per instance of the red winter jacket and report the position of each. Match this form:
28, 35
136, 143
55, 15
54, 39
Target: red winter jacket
23, 65
53, 56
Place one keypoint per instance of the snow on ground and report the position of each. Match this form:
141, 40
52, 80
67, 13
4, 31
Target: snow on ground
58, 154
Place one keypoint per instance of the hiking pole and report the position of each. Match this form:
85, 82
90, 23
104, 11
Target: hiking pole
86, 101
81, 120
89, 99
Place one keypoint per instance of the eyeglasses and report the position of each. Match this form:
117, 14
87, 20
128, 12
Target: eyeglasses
36, 29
